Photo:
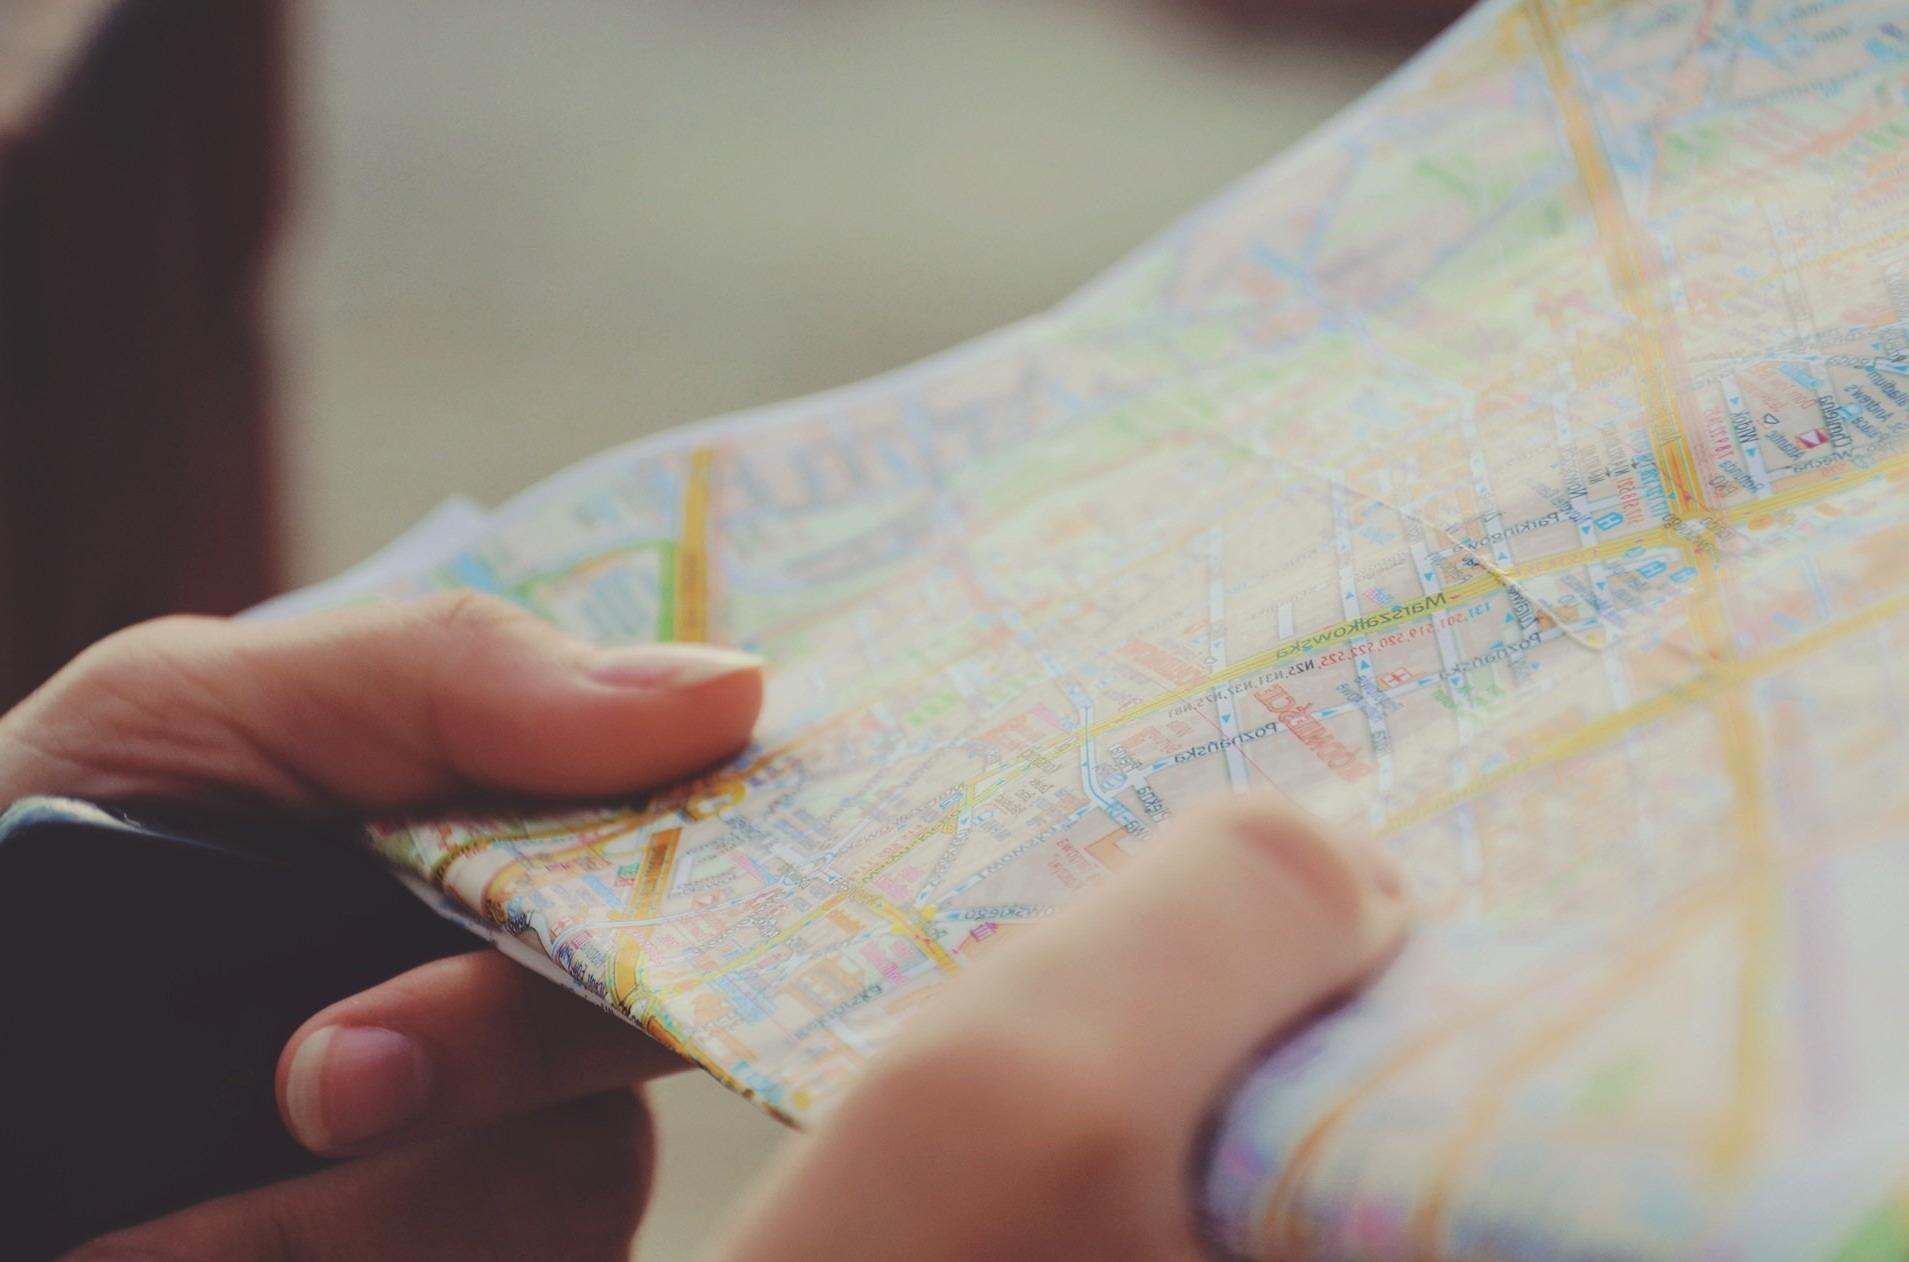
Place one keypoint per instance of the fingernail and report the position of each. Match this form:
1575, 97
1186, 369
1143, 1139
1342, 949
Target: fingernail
669, 665
348, 1084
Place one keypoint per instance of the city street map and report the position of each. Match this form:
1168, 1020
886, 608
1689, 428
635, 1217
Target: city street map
1516, 471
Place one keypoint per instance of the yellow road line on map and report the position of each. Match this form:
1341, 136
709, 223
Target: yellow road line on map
1601, 731
759, 950
912, 926
1811, 492
623, 976
1737, 1132
661, 1026
948, 822
1583, 739
519, 864
1736, 1135
1744, 760
1532, 1052
576, 569
1868, 247
692, 549
621, 821
1278, 1217
1603, 550
1656, 390
1457, 595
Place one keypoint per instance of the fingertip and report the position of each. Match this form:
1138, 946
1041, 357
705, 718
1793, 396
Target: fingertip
345, 1085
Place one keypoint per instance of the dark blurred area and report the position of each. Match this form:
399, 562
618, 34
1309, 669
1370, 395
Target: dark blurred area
140, 183
1410, 22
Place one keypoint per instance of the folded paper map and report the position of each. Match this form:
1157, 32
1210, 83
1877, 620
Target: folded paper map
1515, 471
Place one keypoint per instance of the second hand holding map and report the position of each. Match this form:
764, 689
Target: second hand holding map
1515, 471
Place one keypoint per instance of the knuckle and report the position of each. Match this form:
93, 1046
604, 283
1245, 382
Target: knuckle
135, 709
470, 615
113, 685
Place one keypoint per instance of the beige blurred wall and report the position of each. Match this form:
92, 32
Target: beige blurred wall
527, 231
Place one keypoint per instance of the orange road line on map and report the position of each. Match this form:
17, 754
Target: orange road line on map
1656, 390
692, 549
652, 878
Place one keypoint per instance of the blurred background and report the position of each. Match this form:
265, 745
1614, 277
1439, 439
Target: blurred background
323, 264
547, 230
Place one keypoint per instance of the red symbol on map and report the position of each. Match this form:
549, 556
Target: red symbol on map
1394, 678
1812, 438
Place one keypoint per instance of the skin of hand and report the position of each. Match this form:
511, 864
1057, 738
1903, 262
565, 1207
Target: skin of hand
493, 1115
1048, 1106
1051, 1104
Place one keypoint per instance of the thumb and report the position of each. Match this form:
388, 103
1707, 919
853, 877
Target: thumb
1242, 918
1062, 1084
375, 707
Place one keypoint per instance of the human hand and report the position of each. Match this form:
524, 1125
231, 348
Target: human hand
491, 1113
1051, 1104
